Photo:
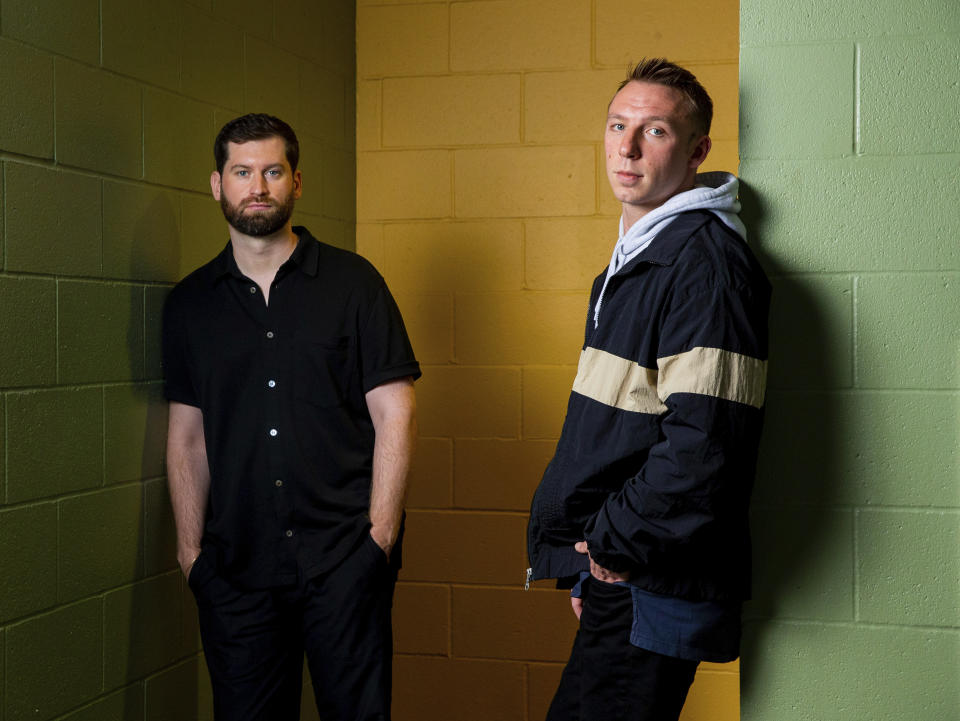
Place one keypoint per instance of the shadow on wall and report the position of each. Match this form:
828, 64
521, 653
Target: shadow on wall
798, 476
162, 663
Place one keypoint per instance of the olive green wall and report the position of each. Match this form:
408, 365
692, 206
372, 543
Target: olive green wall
850, 147
108, 110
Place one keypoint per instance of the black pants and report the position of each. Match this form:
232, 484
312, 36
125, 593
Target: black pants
608, 679
254, 641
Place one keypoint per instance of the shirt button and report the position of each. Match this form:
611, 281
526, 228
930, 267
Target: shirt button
278, 483
273, 432
253, 289
289, 533
272, 384
269, 334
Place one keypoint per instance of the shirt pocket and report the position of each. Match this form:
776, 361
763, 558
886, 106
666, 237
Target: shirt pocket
321, 370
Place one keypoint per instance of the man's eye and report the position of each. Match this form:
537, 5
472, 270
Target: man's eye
274, 173
242, 173
656, 132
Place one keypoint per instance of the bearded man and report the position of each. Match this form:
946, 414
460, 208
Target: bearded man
290, 381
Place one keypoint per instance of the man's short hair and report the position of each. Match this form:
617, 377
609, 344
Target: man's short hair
663, 72
255, 126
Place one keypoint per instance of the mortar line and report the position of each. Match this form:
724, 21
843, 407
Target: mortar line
857, 149
856, 565
854, 332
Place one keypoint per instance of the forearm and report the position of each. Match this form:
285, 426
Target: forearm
393, 413
188, 479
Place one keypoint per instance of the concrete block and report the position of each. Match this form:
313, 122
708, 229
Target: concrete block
526, 181
568, 106
141, 232
498, 474
271, 80
300, 24
449, 257
28, 565
805, 671
178, 136
67, 27
253, 17
865, 448
204, 231
816, 21
139, 39
499, 35
339, 184
180, 692
714, 696
369, 113
543, 679
428, 318
431, 477
908, 567
546, 391
811, 332
723, 156
135, 423
536, 625
339, 31
491, 394
455, 547
421, 619
803, 563
205, 43
567, 253
322, 104
100, 331
159, 532
691, 32
722, 81
906, 330
894, 85
101, 541
799, 222
53, 221
141, 629
66, 645
99, 123
519, 328
478, 690
26, 85
29, 315
404, 184
153, 300
119, 706
54, 442
779, 126
451, 110
402, 40
370, 244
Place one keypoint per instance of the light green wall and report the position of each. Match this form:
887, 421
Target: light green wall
850, 147
108, 110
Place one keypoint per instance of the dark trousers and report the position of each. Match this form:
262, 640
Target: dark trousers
608, 679
254, 641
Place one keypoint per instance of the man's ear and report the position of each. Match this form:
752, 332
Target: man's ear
215, 185
297, 184
699, 151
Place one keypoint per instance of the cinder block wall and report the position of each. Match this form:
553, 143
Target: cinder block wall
851, 152
108, 112
482, 198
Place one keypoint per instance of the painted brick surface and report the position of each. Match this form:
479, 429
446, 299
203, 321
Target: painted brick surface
68, 27
204, 233
455, 110
171, 121
26, 85
413, 603
101, 536
66, 645
404, 184
29, 314
141, 232
271, 80
403, 40
138, 38
909, 568
182, 691
498, 474
135, 421
204, 43
545, 394
319, 116
491, 394
54, 442
29, 562
153, 299
47, 211
100, 330
567, 254
159, 535
431, 477
125, 703
428, 318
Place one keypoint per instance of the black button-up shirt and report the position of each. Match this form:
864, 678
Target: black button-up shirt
282, 390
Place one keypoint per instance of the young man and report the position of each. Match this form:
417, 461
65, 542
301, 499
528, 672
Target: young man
290, 381
643, 509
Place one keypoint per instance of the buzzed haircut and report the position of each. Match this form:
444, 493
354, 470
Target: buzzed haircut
255, 126
663, 72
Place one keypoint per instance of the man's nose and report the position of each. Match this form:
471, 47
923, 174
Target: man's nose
259, 185
629, 147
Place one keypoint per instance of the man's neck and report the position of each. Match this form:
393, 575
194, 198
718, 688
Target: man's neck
259, 258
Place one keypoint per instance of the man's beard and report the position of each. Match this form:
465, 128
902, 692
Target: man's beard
261, 223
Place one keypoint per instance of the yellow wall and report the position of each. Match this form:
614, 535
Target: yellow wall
481, 197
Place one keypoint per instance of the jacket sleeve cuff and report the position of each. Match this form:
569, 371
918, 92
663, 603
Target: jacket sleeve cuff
610, 561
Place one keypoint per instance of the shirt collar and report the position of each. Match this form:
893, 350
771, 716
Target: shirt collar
306, 257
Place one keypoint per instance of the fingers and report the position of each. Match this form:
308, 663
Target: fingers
577, 604
580, 546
